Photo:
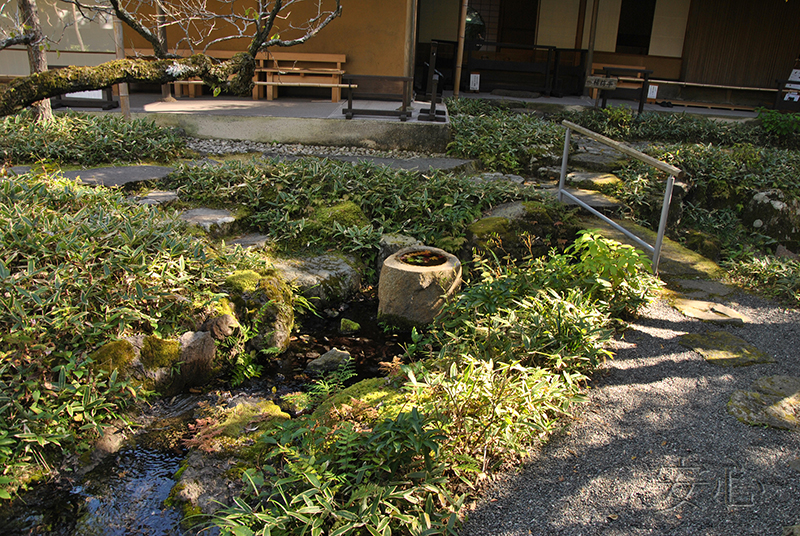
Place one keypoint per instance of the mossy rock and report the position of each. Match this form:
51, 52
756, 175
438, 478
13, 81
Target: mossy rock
384, 400
521, 229
323, 220
265, 303
159, 353
243, 281
771, 401
703, 243
115, 355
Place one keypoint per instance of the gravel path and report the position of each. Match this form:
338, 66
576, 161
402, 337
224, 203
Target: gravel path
654, 450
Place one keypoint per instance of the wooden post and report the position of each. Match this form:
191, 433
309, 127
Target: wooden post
119, 46
462, 35
592, 36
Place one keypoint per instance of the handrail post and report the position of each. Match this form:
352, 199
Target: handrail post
564, 160
662, 224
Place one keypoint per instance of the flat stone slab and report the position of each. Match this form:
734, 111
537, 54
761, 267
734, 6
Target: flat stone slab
213, 221
771, 401
156, 197
117, 176
593, 199
725, 350
251, 241
704, 287
590, 180
709, 311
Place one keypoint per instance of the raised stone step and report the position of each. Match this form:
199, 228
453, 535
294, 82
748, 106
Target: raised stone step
594, 199
215, 222
117, 176
591, 180
155, 197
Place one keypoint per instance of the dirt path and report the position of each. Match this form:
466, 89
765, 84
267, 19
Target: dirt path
654, 451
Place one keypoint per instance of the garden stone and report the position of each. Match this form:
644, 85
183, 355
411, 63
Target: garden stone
348, 327
589, 180
548, 224
220, 327
594, 199
601, 160
325, 279
252, 240
706, 287
118, 176
725, 350
771, 213
771, 401
198, 351
391, 243
215, 222
794, 530
327, 362
266, 303
413, 295
155, 197
709, 311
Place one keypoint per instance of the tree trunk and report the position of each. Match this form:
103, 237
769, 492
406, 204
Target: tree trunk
37, 58
233, 76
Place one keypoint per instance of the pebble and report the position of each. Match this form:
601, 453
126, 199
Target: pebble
219, 147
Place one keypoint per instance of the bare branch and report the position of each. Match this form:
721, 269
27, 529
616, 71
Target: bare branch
25, 39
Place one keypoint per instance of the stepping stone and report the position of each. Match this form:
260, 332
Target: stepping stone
709, 311
794, 530
771, 401
725, 350
19, 170
704, 287
251, 241
155, 197
594, 199
216, 222
598, 161
117, 176
589, 180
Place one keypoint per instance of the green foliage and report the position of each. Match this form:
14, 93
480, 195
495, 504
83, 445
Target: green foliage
80, 266
501, 140
86, 140
332, 382
779, 123
347, 480
776, 130
433, 208
770, 276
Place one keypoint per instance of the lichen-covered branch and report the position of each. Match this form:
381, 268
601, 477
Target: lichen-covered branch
24, 39
234, 76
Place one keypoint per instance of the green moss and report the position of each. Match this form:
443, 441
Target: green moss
241, 419
243, 281
375, 392
158, 353
347, 214
113, 356
347, 326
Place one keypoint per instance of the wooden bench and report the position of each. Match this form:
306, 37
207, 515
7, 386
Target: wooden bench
628, 77
298, 69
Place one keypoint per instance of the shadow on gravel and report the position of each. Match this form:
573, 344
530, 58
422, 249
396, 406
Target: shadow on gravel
654, 450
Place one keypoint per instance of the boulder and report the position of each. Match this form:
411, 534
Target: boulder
220, 327
327, 362
523, 228
771, 213
325, 280
266, 304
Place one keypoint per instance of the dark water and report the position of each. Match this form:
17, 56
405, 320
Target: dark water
123, 495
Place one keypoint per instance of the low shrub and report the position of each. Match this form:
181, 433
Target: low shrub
86, 140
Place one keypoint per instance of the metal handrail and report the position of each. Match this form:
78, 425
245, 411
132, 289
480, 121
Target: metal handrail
654, 250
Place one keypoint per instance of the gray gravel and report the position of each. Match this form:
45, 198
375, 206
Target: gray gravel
216, 147
654, 451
